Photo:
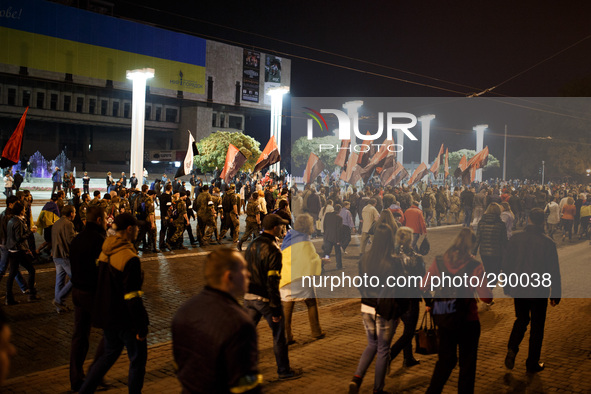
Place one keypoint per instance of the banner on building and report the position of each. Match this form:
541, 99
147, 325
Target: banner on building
251, 76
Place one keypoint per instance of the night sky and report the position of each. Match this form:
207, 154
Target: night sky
460, 47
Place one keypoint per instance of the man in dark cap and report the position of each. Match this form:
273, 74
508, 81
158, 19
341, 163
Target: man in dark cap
264, 261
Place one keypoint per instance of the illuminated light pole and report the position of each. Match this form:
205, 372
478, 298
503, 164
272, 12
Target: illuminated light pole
479, 145
276, 94
425, 131
352, 108
138, 116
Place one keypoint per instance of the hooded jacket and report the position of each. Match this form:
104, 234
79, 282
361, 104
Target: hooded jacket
264, 264
118, 301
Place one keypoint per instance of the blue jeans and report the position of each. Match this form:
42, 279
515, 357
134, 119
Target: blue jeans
257, 309
62, 289
379, 335
467, 216
137, 352
4, 266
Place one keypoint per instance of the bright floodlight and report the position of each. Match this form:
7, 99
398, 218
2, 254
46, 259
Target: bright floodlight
276, 94
138, 113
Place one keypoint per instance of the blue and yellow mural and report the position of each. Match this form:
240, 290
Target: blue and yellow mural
48, 36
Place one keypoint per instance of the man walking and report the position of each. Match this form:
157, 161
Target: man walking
264, 261
467, 204
531, 252
118, 307
56, 178
84, 252
62, 234
369, 215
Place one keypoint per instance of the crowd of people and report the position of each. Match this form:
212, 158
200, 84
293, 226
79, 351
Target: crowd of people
110, 228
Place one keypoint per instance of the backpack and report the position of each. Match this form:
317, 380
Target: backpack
111, 217
451, 304
173, 212
138, 206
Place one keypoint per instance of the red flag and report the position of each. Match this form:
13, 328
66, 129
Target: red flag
435, 167
390, 174
313, 169
400, 176
480, 159
351, 163
12, 150
364, 156
376, 161
419, 173
446, 165
343, 153
269, 156
234, 160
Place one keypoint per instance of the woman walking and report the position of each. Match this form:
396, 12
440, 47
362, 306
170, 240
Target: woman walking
491, 238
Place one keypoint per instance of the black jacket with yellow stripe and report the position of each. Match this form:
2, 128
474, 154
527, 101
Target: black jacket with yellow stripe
118, 301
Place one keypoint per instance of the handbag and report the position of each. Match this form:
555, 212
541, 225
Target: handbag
426, 336
425, 247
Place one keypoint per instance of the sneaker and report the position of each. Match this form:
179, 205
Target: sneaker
510, 359
292, 374
537, 367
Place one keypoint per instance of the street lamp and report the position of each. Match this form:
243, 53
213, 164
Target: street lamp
425, 131
479, 145
138, 114
276, 94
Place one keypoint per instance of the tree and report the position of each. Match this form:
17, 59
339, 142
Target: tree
455, 157
213, 149
302, 147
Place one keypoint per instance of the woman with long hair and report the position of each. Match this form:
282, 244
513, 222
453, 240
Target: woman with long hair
413, 265
378, 262
568, 217
457, 260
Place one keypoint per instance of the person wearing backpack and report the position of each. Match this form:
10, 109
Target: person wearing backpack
428, 203
460, 326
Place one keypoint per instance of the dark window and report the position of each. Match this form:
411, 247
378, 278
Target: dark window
11, 96
104, 107
235, 122
69, 77
222, 120
126, 112
115, 108
91, 106
79, 104
148, 112
26, 98
40, 99
54, 98
171, 114
67, 102
158, 114
214, 118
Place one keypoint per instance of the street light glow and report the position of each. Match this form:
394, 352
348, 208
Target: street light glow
277, 94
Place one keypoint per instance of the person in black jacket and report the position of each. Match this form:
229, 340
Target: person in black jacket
214, 340
118, 307
491, 239
84, 251
263, 299
531, 252
333, 224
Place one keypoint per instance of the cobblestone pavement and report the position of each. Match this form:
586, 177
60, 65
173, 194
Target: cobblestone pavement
43, 337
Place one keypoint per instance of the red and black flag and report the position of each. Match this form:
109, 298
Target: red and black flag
269, 156
480, 159
461, 167
343, 154
419, 173
313, 168
12, 150
351, 164
377, 161
446, 167
366, 152
435, 167
392, 174
234, 160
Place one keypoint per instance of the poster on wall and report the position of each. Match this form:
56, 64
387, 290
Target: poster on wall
251, 76
272, 69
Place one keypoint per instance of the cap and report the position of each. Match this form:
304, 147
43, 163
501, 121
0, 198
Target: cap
273, 220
